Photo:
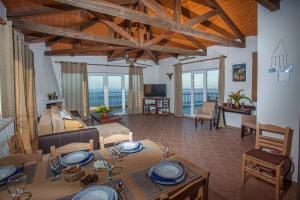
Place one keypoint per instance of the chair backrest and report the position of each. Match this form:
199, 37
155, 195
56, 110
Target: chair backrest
20, 159
190, 191
208, 106
264, 141
71, 147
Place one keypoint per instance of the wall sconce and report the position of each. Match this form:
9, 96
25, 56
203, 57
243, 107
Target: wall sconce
169, 75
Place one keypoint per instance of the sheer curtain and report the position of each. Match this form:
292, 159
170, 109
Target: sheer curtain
221, 86
178, 90
25, 98
136, 90
75, 87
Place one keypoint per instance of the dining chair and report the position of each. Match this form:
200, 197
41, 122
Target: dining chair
192, 191
266, 161
19, 159
247, 121
71, 147
115, 138
206, 112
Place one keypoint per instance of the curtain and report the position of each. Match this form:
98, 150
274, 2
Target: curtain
178, 90
221, 87
7, 94
75, 87
26, 117
136, 90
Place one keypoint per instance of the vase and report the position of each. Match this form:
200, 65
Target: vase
237, 104
105, 115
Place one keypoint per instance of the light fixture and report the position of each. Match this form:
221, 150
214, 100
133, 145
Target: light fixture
169, 75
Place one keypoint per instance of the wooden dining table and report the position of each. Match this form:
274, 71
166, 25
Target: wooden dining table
42, 188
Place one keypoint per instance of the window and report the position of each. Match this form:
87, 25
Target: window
198, 87
108, 89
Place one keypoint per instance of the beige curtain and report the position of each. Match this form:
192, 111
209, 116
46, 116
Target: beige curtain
136, 90
26, 117
75, 87
178, 90
7, 94
221, 87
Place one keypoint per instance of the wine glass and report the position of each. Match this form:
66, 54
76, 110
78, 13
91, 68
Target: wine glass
16, 185
54, 163
165, 147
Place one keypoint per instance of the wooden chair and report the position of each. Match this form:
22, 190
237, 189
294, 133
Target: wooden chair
114, 138
266, 161
247, 121
206, 112
71, 147
192, 191
20, 159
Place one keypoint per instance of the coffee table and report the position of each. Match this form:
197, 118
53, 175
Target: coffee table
110, 119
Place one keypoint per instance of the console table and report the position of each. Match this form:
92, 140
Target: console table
110, 119
246, 110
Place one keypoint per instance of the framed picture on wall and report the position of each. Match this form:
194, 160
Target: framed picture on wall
239, 72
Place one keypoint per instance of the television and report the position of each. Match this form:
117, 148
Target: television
155, 90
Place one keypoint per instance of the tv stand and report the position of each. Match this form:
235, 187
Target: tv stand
156, 105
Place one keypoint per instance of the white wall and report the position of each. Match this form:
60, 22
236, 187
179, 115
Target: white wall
234, 56
45, 80
278, 102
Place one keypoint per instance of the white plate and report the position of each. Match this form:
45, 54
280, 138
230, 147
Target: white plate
130, 147
7, 171
84, 162
75, 157
97, 193
165, 182
168, 170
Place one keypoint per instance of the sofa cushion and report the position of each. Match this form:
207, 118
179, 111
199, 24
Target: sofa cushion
45, 124
72, 124
57, 123
54, 110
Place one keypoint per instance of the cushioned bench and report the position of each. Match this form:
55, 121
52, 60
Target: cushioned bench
63, 138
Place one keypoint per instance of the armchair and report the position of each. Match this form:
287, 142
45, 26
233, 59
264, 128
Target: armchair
206, 112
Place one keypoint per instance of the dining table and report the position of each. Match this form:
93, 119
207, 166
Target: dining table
42, 188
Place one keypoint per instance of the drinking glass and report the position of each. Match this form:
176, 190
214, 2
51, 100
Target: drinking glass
165, 147
109, 168
54, 163
16, 185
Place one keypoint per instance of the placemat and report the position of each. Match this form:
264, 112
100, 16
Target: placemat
97, 156
29, 171
128, 195
152, 189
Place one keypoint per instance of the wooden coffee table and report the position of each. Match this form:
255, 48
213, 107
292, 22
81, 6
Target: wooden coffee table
110, 119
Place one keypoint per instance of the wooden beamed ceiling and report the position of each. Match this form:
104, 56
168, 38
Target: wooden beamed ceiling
144, 29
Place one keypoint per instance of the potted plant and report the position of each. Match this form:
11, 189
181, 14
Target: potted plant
237, 97
103, 110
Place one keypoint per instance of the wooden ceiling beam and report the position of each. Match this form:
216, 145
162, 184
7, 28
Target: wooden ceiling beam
177, 11
229, 21
271, 5
156, 8
119, 11
152, 56
197, 43
82, 50
68, 33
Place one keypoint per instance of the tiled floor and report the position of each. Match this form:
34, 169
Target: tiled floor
218, 151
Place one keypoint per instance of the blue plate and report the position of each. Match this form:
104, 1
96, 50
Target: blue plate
168, 170
16, 171
157, 179
97, 193
75, 157
129, 147
82, 163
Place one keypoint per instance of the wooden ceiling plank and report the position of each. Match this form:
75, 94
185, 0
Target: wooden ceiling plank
119, 11
196, 42
177, 10
271, 5
229, 21
204, 3
94, 38
156, 8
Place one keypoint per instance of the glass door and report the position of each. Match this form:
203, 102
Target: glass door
186, 93
96, 90
115, 93
198, 90
212, 84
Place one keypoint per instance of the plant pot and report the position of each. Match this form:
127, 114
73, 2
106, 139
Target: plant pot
237, 104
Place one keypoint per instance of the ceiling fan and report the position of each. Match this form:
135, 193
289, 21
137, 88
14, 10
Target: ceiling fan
129, 60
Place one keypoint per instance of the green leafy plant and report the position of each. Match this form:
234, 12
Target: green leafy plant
237, 97
103, 109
